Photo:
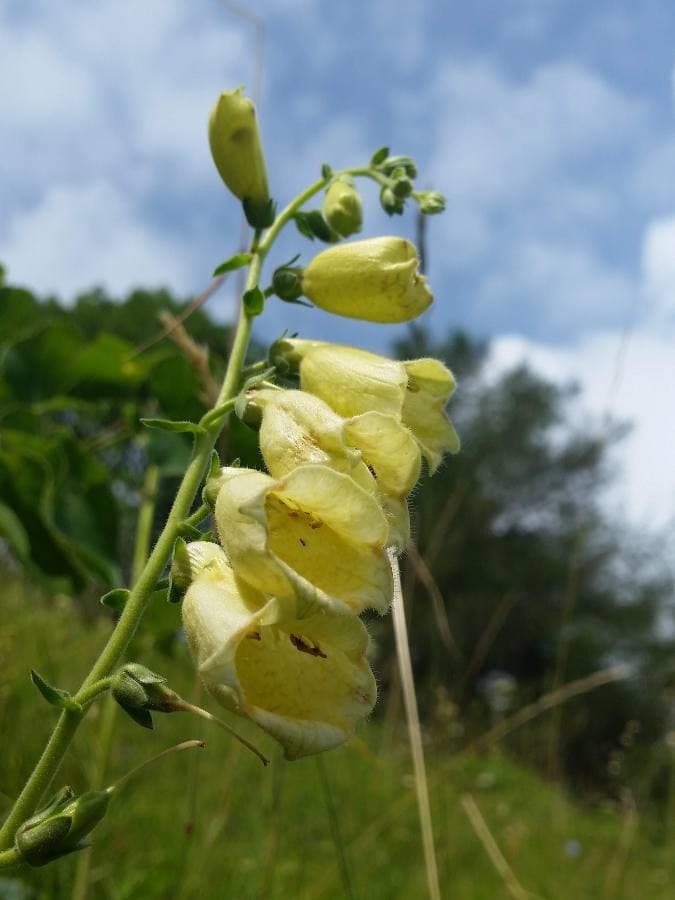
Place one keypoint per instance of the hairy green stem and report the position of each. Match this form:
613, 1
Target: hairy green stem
198, 516
85, 696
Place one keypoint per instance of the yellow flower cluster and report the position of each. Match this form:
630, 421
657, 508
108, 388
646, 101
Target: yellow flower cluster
271, 614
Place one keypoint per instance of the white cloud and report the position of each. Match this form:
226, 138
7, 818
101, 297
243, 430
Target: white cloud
80, 237
565, 285
626, 375
658, 261
501, 138
631, 381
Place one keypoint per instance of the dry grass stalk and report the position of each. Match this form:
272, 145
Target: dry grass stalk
196, 355
440, 614
492, 850
549, 701
414, 732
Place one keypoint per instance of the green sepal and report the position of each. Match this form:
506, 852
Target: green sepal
170, 425
326, 172
54, 696
116, 599
238, 261
181, 572
259, 215
312, 225
214, 465
379, 156
141, 717
254, 301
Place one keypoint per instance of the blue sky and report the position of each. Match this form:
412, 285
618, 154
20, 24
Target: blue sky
549, 125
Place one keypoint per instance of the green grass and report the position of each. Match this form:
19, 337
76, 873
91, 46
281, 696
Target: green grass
215, 824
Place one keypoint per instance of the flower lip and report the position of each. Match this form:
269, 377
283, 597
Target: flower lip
313, 539
307, 682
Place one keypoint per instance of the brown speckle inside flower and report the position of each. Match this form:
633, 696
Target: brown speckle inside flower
304, 647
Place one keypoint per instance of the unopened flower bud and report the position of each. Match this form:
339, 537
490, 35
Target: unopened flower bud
139, 691
60, 827
287, 282
402, 187
430, 202
342, 206
403, 163
391, 204
237, 152
376, 280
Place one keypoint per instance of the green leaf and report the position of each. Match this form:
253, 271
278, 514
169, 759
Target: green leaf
254, 301
116, 599
238, 261
379, 156
326, 171
169, 425
54, 696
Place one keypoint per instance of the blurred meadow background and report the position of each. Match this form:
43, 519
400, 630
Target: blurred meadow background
539, 584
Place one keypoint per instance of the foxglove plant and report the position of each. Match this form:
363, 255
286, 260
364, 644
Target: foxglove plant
271, 604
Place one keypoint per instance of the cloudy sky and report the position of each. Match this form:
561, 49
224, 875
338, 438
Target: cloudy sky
549, 125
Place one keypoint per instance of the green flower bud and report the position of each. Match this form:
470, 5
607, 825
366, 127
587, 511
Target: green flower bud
237, 152
139, 690
430, 202
342, 206
376, 280
391, 204
404, 163
287, 282
402, 187
60, 827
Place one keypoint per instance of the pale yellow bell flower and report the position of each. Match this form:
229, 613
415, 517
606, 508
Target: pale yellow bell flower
237, 152
306, 682
354, 382
314, 539
374, 449
376, 280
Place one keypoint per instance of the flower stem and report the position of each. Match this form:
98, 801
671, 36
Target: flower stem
205, 714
